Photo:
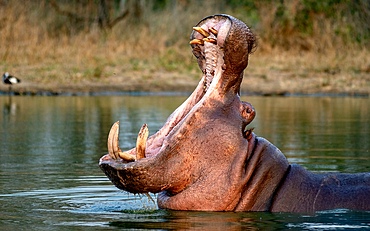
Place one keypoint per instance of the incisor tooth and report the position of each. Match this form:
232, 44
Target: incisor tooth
213, 30
126, 156
201, 31
141, 142
196, 41
210, 40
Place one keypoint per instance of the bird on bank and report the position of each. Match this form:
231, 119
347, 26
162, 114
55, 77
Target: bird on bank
9, 79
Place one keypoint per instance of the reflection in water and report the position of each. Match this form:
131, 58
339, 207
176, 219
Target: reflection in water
183, 220
50, 147
9, 108
323, 134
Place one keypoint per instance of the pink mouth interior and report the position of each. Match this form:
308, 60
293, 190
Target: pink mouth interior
213, 59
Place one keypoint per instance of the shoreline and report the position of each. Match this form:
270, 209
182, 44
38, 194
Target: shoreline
175, 93
113, 91
265, 84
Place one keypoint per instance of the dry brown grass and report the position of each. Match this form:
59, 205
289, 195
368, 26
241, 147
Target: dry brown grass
156, 56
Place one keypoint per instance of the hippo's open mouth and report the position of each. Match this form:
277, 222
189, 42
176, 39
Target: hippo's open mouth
207, 42
162, 162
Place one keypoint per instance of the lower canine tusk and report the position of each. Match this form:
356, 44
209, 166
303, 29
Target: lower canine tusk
113, 147
141, 142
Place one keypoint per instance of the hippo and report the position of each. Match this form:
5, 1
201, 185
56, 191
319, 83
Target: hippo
205, 157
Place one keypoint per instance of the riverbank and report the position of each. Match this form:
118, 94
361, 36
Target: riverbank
268, 73
272, 83
54, 53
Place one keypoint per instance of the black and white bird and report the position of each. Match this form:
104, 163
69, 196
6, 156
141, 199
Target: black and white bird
9, 79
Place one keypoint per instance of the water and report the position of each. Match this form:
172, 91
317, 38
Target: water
50, 147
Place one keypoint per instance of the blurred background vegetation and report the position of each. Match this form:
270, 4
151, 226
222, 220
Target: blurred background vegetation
62, 41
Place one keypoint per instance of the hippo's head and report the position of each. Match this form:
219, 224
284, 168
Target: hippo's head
200, 158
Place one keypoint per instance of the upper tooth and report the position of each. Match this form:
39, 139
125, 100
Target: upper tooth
201, 31
197, 41
210, 40
141, 142
213, 30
